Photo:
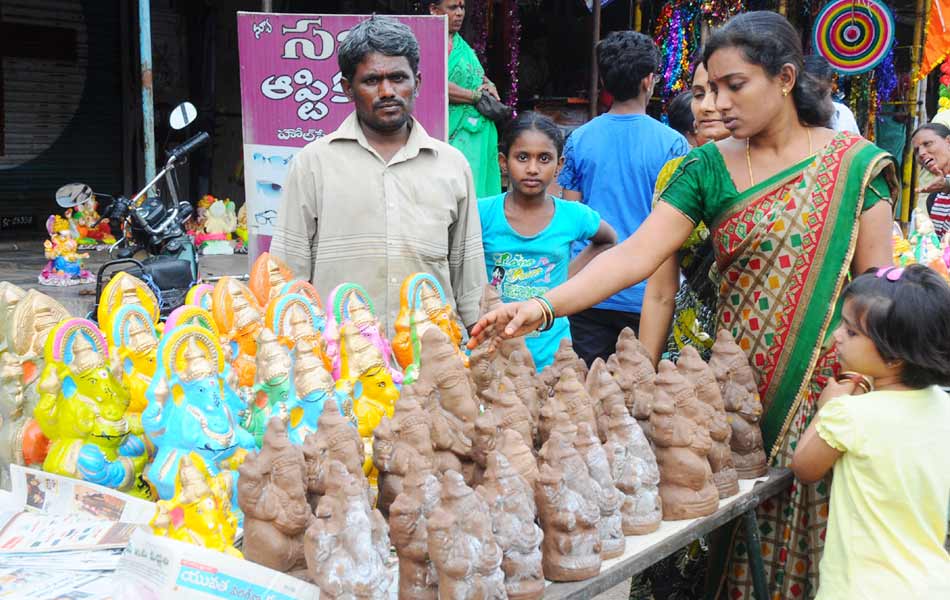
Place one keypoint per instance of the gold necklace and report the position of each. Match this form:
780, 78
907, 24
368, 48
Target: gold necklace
748, 155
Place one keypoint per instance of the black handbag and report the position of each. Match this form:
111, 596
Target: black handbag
491, 109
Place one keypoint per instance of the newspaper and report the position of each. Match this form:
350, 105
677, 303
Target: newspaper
155, 567
57, 495
29, 533
46, 585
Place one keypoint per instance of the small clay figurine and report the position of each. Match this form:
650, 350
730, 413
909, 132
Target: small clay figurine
200, 511
743, 406
508, 409
605, 394
692, 366
635, 473
483, 443
408, 518
560, 450
634, 373
400, 442
65, 266
510, 501
335, 440
273, 388
272, 495
447, 395
462, 545
573, 396
512, 445
682, 445
564, 358
483, 368
611, 519
571, 547
527, 386
347, 543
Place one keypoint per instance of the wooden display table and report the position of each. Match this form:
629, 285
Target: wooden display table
645, 550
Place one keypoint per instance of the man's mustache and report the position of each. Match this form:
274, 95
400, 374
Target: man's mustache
388, 103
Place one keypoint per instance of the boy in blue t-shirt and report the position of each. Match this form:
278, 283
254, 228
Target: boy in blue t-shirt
611, 165
528, 234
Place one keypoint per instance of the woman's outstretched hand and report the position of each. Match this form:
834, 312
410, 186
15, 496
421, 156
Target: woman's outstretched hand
506, 321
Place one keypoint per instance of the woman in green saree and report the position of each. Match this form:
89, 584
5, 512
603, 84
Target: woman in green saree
792, 208
469, 131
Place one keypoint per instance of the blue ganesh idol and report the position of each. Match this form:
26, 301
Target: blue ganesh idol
315, 388
188, 412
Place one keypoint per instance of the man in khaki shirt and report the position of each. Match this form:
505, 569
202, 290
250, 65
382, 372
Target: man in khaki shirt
378, 199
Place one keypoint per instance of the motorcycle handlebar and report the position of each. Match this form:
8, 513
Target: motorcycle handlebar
189, 146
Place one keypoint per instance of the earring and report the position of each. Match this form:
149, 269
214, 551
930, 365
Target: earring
784, 92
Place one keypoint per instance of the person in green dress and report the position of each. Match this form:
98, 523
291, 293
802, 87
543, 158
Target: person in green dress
469, 131
793, 208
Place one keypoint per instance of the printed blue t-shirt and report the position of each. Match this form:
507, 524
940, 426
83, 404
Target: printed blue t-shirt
613, 161
522, 267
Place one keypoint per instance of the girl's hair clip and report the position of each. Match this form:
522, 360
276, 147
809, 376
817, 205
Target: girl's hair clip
890, 273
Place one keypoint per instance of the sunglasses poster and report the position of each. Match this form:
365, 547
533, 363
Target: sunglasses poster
292, 94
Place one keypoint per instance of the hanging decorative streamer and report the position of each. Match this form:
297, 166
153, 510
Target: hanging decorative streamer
854, 36
477, 14
885, 75
677, 36
514, 50
717, 12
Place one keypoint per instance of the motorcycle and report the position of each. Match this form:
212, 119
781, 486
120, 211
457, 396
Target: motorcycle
152, 243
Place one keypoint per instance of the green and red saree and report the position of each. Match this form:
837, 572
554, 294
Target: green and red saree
783, 253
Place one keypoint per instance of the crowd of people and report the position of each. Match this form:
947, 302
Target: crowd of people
752, 217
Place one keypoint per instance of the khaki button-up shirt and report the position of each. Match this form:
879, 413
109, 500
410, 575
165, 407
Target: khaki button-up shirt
348, 216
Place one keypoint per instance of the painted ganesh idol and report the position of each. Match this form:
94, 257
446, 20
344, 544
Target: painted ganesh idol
240, 320
82, 410
351, 304
187, 412
422, 304
316, 391
124, 290
294, 318
269, 275
274, 389
134, 343
200, 295
374, 392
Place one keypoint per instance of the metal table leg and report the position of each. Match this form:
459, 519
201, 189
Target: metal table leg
754, 548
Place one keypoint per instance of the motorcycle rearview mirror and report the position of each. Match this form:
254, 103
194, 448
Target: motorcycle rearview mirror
73, 194
182, 115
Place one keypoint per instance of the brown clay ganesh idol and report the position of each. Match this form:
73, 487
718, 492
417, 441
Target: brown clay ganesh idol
571, 547
347, 542
634, 373
269, 275
408, 529
240, 321
272, 495
447, 394
605, 394
508, 409
692, 366
635, 473
490, 300
527, 385
335, 440
682, 445
462, 545
398, 444
743, 406
510, 502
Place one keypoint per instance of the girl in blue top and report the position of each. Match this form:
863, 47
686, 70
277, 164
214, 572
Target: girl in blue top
527, 233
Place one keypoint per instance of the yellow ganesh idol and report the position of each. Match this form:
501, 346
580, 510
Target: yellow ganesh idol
82, 411
123, 290
374, 394
200, 511
134, 342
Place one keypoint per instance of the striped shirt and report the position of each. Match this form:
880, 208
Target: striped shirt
348, 216
939, 208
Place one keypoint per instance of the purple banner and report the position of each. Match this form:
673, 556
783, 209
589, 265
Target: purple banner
291, 95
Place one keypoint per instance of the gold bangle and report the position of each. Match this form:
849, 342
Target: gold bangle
856, 378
